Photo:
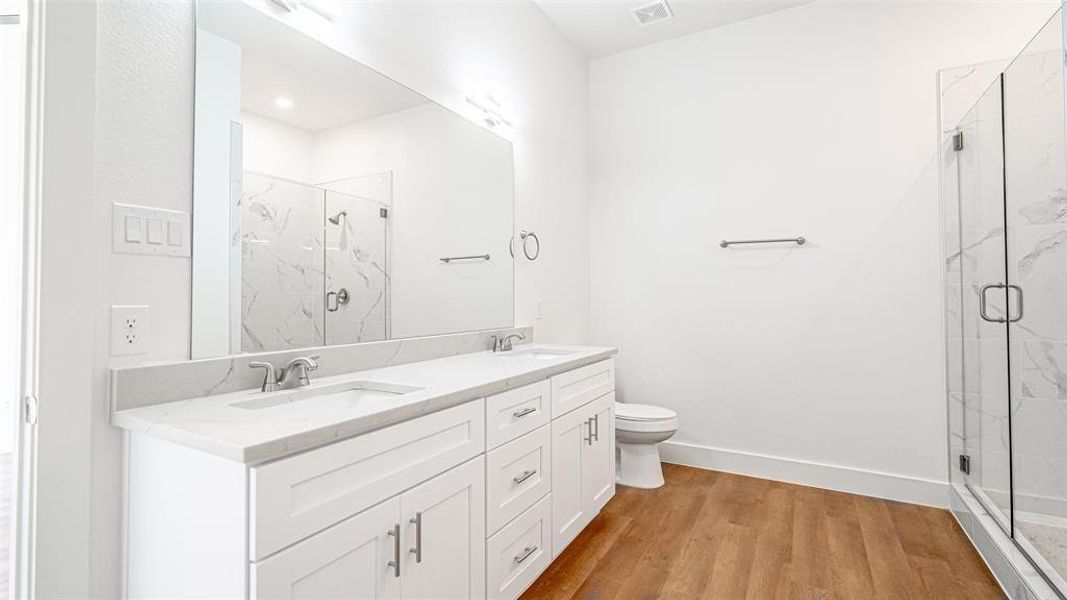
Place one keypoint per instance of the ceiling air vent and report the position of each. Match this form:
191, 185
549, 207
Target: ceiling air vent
652, 13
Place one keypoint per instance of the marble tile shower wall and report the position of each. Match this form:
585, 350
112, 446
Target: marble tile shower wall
292, 256
281, 265
1036, 189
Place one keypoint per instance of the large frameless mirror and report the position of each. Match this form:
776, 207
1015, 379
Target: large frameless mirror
333, 205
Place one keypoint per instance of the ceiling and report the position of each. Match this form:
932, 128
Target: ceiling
327, 88
603, 27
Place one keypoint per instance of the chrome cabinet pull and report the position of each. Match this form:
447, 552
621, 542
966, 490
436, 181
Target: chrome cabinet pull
522, 413
589, 427
395, 563
596, 433
983, 306
417, 550
1018, 303
525, 475
526, 553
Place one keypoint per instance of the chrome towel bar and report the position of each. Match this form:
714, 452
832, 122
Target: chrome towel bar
797, 240
448, 259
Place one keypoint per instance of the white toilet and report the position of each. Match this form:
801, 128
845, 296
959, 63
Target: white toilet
638, 428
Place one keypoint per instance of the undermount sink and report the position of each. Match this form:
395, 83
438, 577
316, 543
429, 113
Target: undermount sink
349, 393
538, 352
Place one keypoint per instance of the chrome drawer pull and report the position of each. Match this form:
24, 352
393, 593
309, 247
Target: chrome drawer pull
526, 553
417, 550
525, 475
522, 413
395, 563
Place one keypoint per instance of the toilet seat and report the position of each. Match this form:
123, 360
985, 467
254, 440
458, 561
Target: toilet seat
643, 412
640, 418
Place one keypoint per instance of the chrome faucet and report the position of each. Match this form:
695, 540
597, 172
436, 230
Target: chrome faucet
298, 372
506, 343
270, 378
295, 374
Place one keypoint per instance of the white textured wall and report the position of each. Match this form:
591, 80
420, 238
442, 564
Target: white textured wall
144, 152
144, 99
820, 121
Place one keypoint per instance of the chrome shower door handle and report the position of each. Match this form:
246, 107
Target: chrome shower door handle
983, 306
1018, 303
340, 297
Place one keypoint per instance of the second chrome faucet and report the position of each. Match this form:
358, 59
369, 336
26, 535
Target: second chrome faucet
295, 374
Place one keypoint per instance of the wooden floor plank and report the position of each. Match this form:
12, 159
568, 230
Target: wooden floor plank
708, 535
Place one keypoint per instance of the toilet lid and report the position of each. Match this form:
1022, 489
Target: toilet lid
642, 412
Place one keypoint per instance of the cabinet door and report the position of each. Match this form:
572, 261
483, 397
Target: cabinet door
444, 535
349, 560
598, 457
570, 437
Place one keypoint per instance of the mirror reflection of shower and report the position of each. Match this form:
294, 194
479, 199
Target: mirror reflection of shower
336, 219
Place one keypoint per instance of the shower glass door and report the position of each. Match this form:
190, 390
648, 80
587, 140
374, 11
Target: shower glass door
1035, 155
985, 459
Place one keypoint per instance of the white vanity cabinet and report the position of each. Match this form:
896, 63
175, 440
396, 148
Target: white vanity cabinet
583, 467
472, 501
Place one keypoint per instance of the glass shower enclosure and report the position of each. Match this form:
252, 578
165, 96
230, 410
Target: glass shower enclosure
1004, 195
314, 262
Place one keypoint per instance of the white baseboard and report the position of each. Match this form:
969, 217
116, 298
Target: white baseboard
928, 492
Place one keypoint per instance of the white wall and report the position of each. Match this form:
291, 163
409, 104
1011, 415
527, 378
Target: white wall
822, 363
144, 99
274, 148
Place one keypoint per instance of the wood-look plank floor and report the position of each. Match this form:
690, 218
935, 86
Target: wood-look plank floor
707, 534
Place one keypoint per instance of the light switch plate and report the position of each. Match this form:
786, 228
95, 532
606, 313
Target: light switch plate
129, 330
147, 230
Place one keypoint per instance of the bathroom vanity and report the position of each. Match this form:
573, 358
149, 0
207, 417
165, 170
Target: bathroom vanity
459, 477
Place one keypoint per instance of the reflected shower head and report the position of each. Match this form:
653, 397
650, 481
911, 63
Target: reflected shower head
336, 219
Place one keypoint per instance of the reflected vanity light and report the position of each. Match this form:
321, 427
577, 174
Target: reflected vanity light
284, 102
323, 8
490, 110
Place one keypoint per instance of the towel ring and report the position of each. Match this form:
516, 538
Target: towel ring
526, 235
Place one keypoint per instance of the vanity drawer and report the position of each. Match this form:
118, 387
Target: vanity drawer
517, 474
295, 497
581, 386
520, 552
514, 413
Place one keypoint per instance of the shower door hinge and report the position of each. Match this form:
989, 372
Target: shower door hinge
383, 213
957, 141
965, 464
29, 409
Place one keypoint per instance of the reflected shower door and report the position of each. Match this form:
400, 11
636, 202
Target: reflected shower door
984, 298
356, 304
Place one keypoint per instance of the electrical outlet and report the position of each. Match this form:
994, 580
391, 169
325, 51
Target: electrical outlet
129, 330
540, 312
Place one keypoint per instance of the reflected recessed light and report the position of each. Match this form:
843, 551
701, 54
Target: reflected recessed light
283, 102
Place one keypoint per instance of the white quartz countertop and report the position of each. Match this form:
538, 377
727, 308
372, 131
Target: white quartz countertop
214, 425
